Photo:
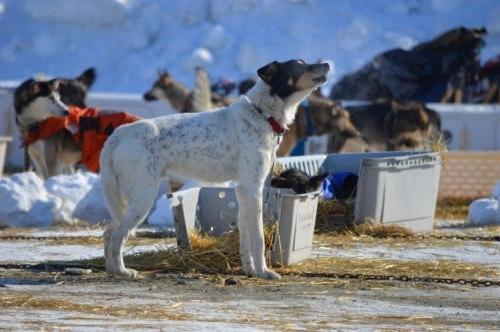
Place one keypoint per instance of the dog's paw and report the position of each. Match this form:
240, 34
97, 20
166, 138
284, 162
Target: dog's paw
130, 273
247, 265
269, 275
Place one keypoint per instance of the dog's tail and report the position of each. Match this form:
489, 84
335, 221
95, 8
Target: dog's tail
110, 184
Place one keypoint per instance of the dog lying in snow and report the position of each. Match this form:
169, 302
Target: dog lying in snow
35, 101
234, 143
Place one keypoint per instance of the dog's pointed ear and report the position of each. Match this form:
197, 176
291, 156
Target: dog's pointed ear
87, 77
423, 118
268, 72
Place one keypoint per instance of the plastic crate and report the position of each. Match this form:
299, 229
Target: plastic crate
311, 165
214, 210
398, 188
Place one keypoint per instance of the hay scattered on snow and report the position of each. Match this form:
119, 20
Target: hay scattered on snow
338, 218
409, 268
207, 254
453, 208
29, 301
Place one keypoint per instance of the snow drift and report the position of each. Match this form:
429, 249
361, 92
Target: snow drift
27, 201
485, 211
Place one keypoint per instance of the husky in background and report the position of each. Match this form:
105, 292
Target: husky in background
35, 101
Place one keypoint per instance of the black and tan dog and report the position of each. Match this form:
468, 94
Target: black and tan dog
384, 125
35, 101
395, 125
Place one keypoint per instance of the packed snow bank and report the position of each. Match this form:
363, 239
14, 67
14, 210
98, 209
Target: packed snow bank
92, 207
24, 202
128, 40
162, 213
27, 201
70, 189
485, 211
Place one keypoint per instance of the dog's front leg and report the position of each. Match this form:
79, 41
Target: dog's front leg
251, 230
36, 152
54, 154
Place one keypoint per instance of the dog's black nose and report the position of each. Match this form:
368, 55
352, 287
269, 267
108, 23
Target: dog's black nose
65, 112
148, 96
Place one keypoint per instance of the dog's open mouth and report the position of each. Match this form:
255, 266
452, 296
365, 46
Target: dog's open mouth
321, 79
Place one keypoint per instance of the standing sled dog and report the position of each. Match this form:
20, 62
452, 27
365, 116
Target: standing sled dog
234, 143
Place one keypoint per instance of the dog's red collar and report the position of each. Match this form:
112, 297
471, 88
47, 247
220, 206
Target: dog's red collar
277, 127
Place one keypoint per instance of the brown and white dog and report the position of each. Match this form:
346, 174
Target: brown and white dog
184, 100
35, 101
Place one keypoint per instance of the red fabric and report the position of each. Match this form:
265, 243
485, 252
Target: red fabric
277, 127
89, 128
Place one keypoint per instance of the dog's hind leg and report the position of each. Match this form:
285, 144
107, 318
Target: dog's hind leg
115, 202
140, 189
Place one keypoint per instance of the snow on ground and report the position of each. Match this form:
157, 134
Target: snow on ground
128, 40
27, 201
24, 202
485, 211
38, 251
470, 252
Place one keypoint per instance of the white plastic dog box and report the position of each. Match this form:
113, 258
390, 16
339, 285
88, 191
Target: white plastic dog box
398, 188
215, 211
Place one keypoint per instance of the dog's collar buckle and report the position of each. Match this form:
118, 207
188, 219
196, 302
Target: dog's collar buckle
275, 125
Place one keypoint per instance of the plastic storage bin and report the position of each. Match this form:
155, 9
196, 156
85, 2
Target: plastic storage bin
215, 210
311, 165
398, 188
